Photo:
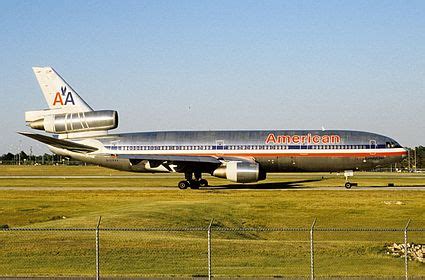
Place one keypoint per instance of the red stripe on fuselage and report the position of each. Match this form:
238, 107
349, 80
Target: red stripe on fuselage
300, 154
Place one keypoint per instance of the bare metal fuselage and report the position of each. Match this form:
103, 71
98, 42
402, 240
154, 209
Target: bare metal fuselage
355, 150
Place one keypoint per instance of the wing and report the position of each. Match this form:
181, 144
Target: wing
172, 158
183, 163
59, 143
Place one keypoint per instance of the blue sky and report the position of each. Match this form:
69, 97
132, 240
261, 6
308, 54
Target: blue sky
177, 65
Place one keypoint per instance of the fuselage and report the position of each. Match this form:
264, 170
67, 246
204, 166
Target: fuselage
274, 150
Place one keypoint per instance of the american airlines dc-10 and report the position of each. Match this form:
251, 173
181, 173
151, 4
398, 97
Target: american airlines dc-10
244, 156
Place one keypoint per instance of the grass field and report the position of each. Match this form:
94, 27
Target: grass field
276, 204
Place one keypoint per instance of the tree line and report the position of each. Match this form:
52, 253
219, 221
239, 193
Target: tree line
23, 158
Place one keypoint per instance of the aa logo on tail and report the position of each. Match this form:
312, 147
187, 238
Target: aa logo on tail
67, 96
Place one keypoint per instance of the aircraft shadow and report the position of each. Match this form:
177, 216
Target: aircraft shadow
265, 186
396, 186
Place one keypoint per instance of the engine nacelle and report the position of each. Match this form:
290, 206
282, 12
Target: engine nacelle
77, 122
241, 172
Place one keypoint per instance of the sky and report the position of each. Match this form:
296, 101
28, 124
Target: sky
205, 65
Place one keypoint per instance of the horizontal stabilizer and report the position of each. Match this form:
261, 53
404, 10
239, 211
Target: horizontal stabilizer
59, 143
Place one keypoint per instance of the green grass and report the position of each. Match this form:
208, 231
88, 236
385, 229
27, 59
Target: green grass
184, 253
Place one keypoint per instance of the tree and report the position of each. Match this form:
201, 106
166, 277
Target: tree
9, 156
420, 157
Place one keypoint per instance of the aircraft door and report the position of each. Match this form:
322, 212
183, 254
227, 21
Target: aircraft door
372, 144
219, 146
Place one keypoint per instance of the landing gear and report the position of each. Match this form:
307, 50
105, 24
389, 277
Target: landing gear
183, 185
193, 184
349, 173
203, 183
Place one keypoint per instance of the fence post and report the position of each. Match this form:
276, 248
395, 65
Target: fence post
209, 250
406, 265
97, 250
312, 250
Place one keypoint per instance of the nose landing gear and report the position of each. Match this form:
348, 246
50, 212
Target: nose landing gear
347, 185
349, 173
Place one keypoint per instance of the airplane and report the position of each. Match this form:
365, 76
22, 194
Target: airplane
242, 156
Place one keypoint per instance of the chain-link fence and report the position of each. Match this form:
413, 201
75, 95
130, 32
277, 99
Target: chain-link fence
212, 251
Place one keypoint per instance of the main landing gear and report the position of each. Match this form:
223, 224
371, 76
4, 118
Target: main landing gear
193, 183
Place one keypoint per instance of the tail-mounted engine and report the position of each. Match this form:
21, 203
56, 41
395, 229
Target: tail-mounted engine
72, 122
241, 172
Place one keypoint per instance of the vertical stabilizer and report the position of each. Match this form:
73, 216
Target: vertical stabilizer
58, 93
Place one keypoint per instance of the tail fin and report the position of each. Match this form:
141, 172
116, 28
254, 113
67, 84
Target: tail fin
58, 94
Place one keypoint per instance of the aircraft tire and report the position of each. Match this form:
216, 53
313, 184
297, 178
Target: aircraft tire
348, 185
194, 185
203, 183
183, 185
